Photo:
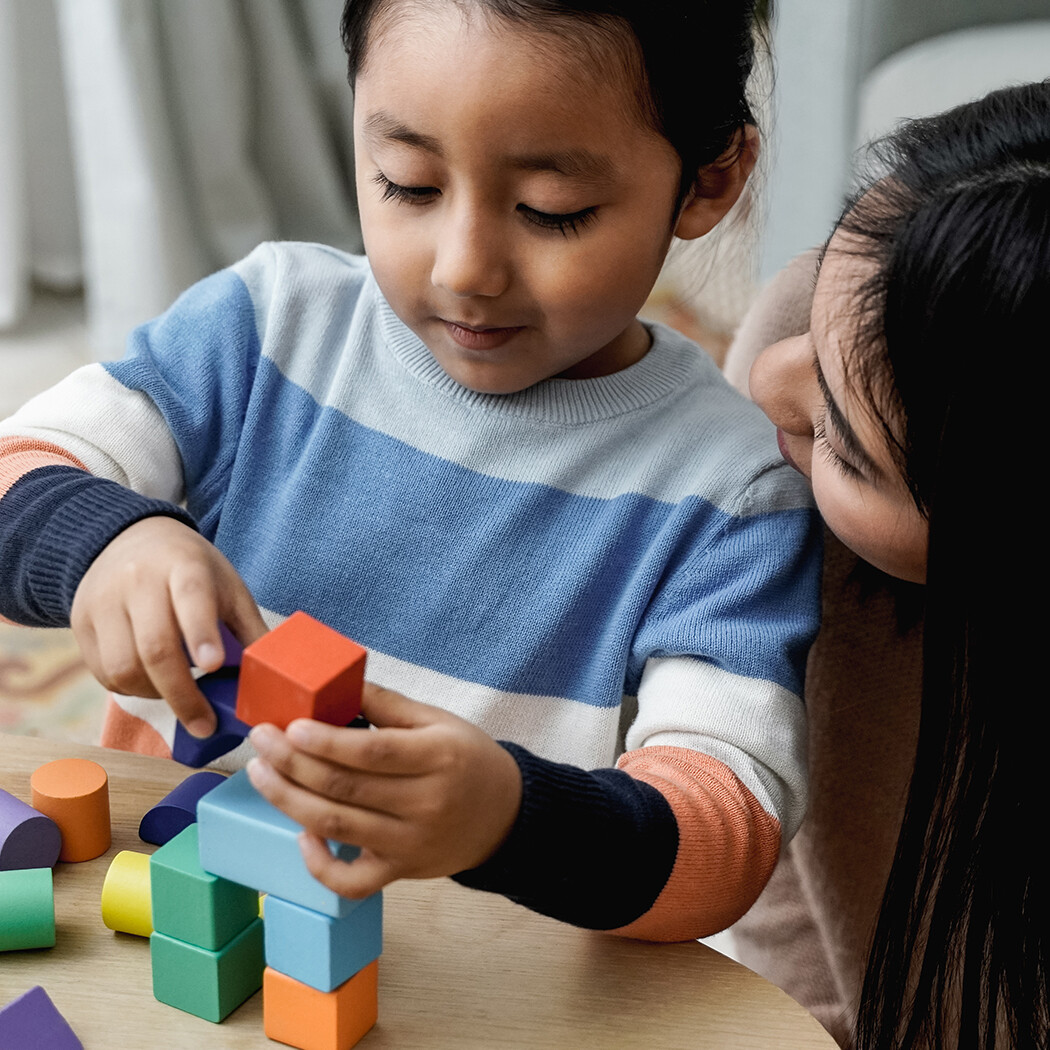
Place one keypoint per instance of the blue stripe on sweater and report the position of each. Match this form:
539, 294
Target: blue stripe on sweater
436, 560
433, 569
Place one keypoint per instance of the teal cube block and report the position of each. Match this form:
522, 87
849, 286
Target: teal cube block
318, 950
192, 905
208, 984
246, 839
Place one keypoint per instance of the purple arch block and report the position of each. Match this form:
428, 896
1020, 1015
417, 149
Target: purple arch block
177, 810
220, 690
28, 839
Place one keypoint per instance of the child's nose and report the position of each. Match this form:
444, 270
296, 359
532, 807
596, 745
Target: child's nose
469, 259
783, 383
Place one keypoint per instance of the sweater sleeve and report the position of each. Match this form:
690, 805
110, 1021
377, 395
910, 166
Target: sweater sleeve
55, 519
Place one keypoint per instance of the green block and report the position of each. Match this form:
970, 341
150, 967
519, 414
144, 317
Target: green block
192, 905
205, 983
27, 909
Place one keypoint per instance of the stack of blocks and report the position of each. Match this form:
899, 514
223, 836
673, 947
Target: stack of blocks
321, 950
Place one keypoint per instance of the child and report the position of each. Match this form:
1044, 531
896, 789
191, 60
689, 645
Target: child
555, 525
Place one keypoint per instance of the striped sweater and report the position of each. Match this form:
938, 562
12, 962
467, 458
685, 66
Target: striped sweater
615, 577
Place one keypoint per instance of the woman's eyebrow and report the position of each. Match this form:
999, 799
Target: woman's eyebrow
850, 442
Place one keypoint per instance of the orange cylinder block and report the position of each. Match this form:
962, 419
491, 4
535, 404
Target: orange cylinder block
74, 793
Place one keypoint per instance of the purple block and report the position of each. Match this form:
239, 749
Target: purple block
220, 689
232, 648
28, 839
177, 810
31, 1022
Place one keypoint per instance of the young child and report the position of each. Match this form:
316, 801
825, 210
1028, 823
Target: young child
551, 524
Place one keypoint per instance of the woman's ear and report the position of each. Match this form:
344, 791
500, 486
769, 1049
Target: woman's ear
718, 186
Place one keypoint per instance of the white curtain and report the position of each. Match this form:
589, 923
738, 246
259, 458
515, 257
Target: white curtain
146, 143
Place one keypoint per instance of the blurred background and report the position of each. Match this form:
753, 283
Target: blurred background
146, 143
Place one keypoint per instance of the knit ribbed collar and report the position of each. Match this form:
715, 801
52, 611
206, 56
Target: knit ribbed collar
670, 362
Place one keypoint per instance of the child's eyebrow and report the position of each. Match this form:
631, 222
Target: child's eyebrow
382, 125
572, 163
850, 441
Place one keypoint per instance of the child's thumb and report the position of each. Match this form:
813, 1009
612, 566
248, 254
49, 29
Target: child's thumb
389, 709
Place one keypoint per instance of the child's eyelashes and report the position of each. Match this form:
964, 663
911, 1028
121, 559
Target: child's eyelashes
563, 223
820, 436
404, 194
572, 222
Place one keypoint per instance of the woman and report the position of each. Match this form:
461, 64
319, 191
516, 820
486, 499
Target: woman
911, 910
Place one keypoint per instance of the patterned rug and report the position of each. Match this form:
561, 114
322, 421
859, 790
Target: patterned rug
45, 688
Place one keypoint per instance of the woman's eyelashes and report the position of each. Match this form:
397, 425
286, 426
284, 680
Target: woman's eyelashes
563, 223
820, 436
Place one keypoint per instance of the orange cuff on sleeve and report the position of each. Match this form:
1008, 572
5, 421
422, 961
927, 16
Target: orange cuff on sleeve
727, 844
126, 732
19, 456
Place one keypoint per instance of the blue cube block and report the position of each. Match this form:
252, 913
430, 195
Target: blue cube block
245, 839
318, 950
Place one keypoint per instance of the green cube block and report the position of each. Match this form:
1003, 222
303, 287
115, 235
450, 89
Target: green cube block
192, 905
205, 983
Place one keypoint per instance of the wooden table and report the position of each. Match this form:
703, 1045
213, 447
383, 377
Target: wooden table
460, 968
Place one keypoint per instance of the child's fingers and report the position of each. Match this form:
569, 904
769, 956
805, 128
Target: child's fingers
395, 752
196, 609
239, 611
385, 707
360, 878
343, 784
322, 816
158, 641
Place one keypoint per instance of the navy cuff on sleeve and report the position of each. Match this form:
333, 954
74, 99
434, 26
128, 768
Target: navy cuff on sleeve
590, 848
54, 522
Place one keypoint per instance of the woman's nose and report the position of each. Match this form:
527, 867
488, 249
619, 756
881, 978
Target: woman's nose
783, 383
469, 258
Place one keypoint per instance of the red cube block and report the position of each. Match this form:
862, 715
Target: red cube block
301, 669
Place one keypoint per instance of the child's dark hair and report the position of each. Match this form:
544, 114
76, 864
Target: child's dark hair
948, 352
693, 59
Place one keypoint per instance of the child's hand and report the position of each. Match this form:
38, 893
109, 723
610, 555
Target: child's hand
424, 794
158, 584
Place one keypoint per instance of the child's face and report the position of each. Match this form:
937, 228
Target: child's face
516, 210
828, 433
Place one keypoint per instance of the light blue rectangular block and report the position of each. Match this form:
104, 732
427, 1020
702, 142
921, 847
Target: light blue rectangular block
245, 839
318, 950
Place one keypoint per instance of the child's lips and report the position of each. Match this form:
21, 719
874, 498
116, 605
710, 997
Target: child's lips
782, 445
479, 337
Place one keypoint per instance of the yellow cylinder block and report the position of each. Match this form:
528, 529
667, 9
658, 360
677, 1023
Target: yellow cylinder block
126, 894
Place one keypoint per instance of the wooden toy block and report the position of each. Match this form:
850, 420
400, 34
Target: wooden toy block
301, 669
245, 839
74, 793
27, 909
318, 950
28, 839
32, 1022
220, 690
208, 984
126, 905
301, 1016
189, 903
177, 810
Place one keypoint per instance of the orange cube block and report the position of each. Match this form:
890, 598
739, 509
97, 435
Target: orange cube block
301, 1016
301, 669
74, 793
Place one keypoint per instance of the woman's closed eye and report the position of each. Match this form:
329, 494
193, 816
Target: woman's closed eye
820, 436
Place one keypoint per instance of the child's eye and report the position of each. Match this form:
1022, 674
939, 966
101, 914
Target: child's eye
404, 194
573, 222
820, 436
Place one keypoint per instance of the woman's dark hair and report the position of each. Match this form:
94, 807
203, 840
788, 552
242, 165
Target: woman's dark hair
951, 333
693, 59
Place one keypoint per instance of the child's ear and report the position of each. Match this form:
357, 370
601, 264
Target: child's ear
718, 186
